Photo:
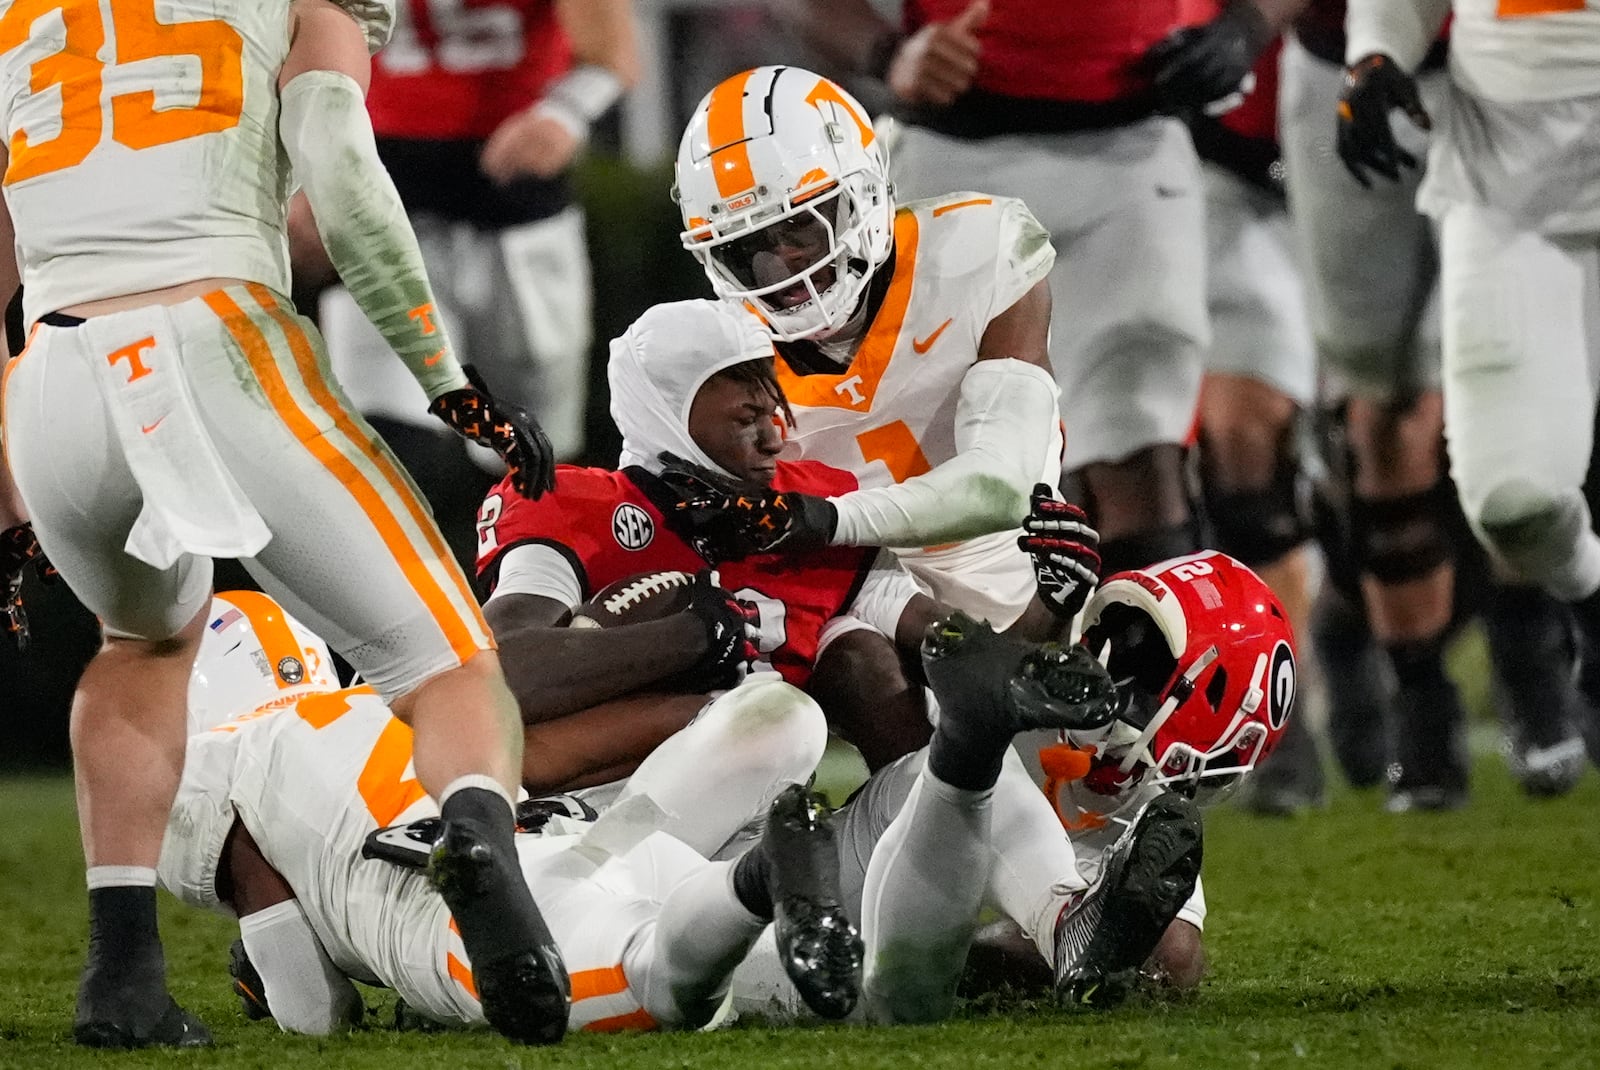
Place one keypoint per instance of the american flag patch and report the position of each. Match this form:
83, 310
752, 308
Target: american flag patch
226, 619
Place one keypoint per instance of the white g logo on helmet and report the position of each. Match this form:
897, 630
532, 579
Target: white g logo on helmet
784, 189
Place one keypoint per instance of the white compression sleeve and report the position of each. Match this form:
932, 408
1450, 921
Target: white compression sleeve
1005, 422
919, 909
325, 130
1402, 29
306, 991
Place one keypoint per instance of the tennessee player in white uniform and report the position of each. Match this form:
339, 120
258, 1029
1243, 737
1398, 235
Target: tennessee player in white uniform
913, 341
1513, 183
171, 407
308, 772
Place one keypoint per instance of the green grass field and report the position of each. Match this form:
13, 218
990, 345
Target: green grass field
1348, 938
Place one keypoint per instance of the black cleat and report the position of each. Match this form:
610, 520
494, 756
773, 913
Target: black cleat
521, 980
1105, 937
1533, 645
104, 1025
820, 948
1359, 703
1010, 685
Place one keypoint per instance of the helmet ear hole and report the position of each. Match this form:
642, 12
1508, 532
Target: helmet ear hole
1217, 688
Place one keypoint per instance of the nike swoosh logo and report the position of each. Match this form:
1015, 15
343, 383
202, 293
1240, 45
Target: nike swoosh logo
922, 345
431, 361
147, 428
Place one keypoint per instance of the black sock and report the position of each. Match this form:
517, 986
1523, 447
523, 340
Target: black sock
126, 977
122, 922
1419, 665
752, 883
1587, 611
486, 811
968, 764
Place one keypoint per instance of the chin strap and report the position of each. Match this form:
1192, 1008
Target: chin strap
1176, 697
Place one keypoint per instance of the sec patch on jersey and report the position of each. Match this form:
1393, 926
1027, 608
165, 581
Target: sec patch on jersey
635, 599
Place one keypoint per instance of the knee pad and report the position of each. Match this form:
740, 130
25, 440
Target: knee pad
1403, 538
1262, 525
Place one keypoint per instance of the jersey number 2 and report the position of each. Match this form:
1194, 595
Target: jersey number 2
137, 119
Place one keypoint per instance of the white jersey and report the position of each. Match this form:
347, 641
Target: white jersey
144, 142
1506, 51
960, 261
311, 782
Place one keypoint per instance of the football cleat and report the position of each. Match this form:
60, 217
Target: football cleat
521, 980
132, 1016
1430, 772
819, 946
247, 983
1011, 686
1105, 935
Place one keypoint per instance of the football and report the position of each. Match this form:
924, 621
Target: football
635, 599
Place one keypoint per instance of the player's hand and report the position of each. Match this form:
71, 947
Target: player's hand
1373, 88
727, 519
247, 983
937, 64
18, 549
528, 143
1196, 66
1065, 552
730, 641
505, 428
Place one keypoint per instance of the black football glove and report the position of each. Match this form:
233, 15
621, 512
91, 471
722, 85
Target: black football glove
19, 548
505, 428
1064, 549
1373, 88
1199, 65
247, 983
727, 519
730, 647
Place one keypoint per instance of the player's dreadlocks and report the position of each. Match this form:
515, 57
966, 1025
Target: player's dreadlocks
762, 373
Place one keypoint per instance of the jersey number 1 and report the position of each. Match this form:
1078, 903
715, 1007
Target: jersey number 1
137, 121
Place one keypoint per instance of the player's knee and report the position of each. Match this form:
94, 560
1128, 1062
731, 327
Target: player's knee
1403, 538
1529, 526
1179, 960
769, 723
1264, 520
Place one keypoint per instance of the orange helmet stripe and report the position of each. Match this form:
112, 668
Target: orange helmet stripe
730, 152
272, 629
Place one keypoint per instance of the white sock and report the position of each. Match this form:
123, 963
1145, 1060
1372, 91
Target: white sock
1034, 867
120, 877
919, 910
477, 780
702, 933
305, 990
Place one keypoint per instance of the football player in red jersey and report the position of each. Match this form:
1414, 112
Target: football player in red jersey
479, 110
695, 379
1069, 107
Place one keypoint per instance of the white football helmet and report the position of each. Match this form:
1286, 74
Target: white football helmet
254, 656
784, 189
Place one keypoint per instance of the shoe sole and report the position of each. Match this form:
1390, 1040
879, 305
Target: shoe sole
821, 949
1157, 877
524, 995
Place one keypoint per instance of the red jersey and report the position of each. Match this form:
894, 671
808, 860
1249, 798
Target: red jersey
455, 69
611, 525
1068, 50
1257, 117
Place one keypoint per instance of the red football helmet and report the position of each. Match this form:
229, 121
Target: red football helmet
1204, 654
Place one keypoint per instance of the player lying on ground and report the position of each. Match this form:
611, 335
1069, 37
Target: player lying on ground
276, 807
695, 380
653, 930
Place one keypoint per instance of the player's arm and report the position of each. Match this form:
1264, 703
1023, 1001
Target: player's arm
1006, 419
282, 969
543, 138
